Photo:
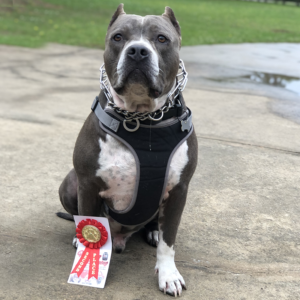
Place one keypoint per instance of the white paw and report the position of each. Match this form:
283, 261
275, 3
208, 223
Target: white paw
169, 279
75, 242
152, 238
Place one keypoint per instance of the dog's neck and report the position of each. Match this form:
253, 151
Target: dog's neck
136, 100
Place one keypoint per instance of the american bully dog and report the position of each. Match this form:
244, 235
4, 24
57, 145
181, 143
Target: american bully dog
137, 150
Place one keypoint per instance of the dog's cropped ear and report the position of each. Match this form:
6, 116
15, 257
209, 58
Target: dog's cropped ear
170, 14
118, 12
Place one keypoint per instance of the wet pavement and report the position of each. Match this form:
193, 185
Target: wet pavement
286, 82
271, 70
239, 234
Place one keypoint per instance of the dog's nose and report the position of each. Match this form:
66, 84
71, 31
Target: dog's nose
138, 52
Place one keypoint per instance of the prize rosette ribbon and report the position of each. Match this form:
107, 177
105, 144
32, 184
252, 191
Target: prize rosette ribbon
93, 235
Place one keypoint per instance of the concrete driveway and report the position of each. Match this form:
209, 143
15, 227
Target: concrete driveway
240, 233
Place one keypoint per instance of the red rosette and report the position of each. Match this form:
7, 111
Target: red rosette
99, 226
91, 253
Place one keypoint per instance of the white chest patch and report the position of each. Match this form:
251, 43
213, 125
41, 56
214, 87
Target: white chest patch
179, 161
118, 171
117, 168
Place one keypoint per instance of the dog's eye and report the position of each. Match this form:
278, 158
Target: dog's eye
118, 37
162, 39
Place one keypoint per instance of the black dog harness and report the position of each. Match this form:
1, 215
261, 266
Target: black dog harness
153, 147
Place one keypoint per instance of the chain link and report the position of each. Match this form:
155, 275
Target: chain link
181, 80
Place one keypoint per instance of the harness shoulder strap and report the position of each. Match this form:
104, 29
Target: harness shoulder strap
103, 117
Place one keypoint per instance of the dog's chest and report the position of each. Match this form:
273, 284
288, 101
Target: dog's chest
117, 168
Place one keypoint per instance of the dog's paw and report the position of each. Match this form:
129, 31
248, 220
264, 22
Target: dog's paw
152, 238
75, 241
170, 280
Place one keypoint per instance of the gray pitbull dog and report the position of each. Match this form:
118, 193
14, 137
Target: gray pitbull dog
141, 60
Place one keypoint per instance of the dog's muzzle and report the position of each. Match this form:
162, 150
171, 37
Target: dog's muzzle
181, 81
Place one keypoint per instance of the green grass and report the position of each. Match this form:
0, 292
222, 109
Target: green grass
84, 22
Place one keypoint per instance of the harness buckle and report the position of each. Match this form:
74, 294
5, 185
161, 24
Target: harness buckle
187, 123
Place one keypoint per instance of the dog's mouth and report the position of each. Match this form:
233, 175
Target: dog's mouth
138, 77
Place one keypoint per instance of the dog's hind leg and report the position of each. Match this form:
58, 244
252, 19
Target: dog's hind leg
68, 195
68, 198
152, 232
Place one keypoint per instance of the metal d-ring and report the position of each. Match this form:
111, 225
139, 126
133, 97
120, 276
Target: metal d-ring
158, 119
134, 129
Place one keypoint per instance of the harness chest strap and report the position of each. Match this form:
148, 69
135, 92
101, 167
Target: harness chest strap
152, 165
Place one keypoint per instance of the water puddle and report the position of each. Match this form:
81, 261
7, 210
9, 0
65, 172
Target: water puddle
287, 82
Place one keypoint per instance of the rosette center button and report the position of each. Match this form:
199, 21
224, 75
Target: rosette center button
91, 233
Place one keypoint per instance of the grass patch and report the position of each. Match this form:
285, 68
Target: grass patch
84, 22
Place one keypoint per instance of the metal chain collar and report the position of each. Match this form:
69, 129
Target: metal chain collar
181, 80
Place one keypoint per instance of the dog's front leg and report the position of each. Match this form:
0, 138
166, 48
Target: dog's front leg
169, 279
89, 202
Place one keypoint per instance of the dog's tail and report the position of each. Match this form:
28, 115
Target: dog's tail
65, 216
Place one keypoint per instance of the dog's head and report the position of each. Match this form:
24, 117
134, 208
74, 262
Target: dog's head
141, 58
